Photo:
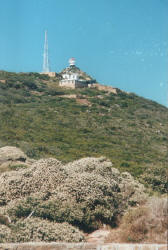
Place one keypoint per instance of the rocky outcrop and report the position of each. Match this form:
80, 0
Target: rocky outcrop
12, 158
101, 87
4, 219
11, 154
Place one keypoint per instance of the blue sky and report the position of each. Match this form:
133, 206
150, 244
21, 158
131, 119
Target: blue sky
123, 43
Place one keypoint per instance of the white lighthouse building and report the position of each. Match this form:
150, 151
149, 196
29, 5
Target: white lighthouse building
70, 79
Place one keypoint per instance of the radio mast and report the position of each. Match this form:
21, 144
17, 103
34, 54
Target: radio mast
46, 68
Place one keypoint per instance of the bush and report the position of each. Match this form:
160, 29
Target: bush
85, 193
5, 234
30, 85
146, 223
156, 177
34, 229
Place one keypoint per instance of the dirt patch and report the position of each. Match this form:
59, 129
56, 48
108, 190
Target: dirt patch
98, 236
83, 102
114, 236
68, 96
36, 93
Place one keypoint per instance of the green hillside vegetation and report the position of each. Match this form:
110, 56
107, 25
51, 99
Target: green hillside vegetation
37, 116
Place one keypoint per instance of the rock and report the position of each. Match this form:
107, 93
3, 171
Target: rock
9, 153
101, 87
4, 219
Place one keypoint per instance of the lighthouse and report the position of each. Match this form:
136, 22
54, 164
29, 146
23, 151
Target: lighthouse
71, 77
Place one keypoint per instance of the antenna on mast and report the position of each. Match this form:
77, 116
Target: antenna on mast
46, 68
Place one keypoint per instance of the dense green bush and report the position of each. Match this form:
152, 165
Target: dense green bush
157, 178
35, 229
30, 85
85, 193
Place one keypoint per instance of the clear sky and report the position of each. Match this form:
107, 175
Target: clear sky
123, 43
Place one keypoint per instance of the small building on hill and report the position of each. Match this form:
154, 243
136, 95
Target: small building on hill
71, 78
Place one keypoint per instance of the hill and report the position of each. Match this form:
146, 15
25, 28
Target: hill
45, 120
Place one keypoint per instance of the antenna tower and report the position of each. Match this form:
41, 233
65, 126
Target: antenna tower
46, 68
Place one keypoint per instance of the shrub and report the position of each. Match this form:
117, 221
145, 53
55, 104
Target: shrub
34, 229
84, 193
146, 223
156, 177
30, 85
5, 234
134, 226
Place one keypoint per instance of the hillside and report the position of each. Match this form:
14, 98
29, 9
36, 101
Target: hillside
45, 120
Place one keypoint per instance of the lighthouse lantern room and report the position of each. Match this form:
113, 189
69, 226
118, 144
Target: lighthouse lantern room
72, 61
